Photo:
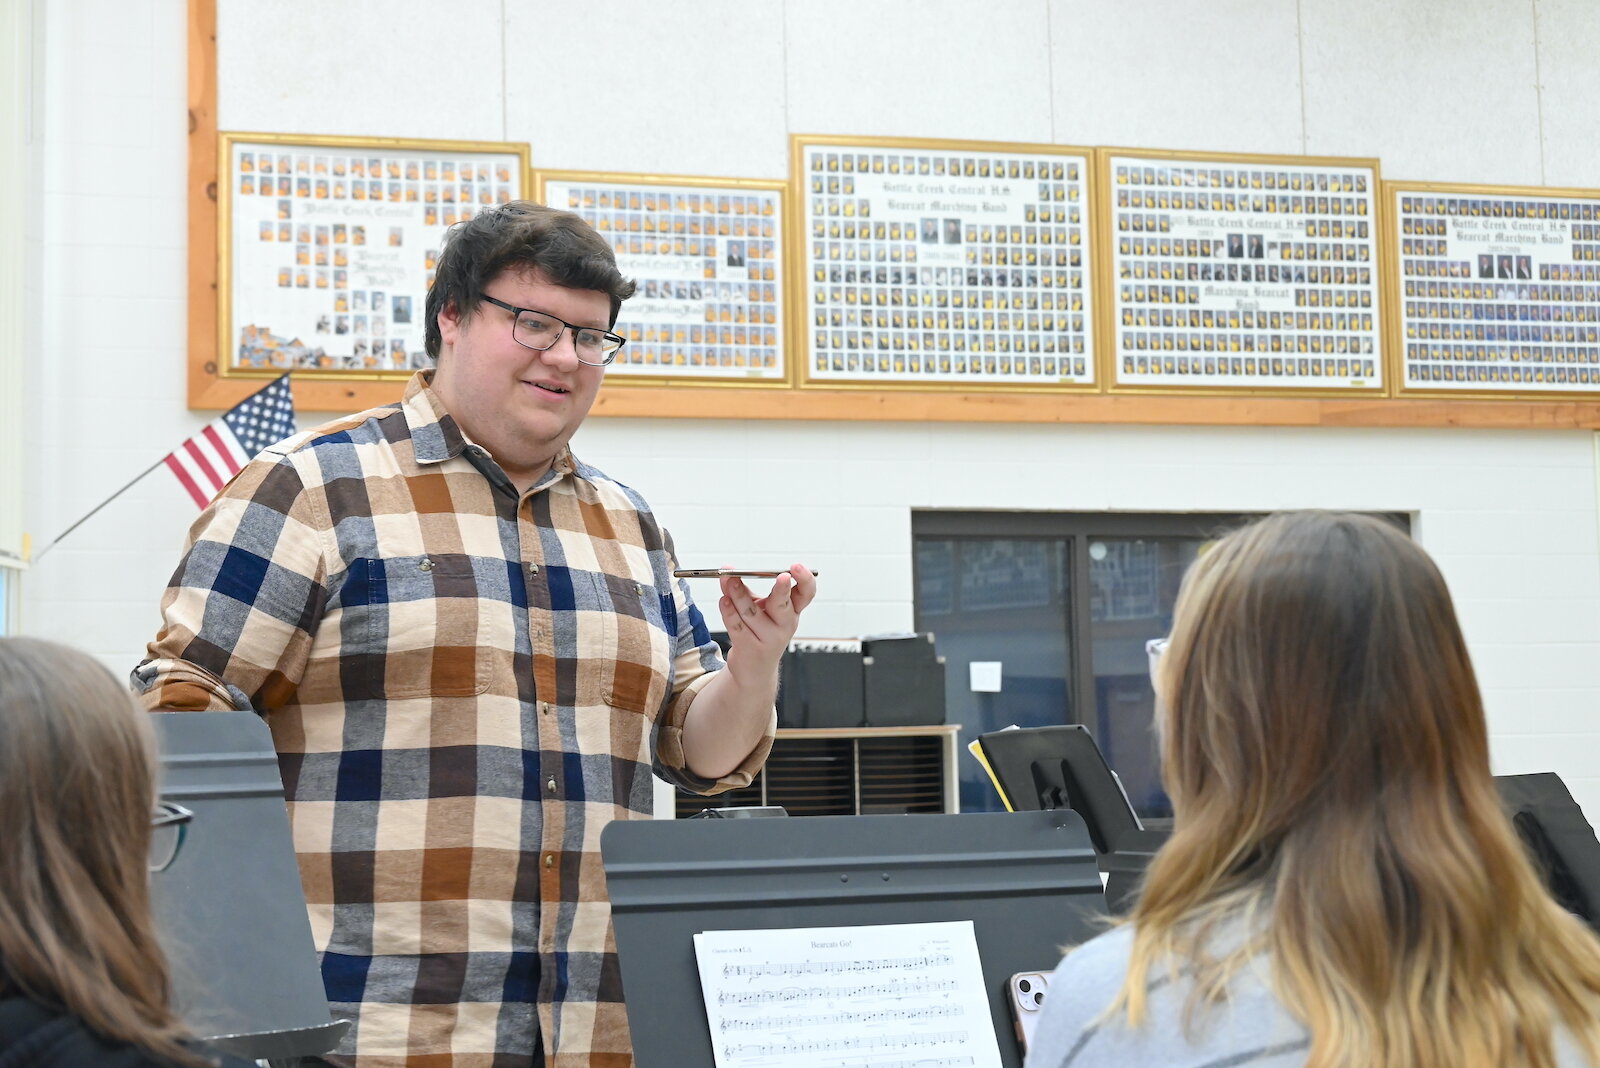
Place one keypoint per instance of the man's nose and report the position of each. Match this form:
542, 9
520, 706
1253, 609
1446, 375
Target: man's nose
564, 353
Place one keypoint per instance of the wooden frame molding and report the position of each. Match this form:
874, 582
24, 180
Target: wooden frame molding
207, 390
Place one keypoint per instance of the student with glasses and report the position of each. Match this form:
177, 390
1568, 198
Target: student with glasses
83, 980
472, 653
1341, 888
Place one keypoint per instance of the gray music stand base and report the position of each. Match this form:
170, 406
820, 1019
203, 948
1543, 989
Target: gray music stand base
230, 910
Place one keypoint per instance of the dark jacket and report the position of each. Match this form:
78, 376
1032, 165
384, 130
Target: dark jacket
33, 1036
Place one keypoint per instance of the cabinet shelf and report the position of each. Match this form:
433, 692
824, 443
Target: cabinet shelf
843, 771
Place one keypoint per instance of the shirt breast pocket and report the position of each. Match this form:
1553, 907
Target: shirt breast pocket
638, 646
423, 627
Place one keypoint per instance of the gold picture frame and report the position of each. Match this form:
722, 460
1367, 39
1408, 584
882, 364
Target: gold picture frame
710, 259
1495, 290
307, 232
882, 226
1233, 273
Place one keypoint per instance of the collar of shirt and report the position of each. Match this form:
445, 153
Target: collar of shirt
437, 437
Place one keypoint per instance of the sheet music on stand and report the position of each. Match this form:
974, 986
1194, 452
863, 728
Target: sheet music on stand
879, 996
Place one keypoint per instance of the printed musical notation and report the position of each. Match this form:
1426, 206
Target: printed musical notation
837, 967
841, 1019
886, 996
852, 1044
898, 988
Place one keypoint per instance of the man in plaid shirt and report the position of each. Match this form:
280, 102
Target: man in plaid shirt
472, 654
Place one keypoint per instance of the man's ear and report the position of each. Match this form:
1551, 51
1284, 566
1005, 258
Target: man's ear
449, 323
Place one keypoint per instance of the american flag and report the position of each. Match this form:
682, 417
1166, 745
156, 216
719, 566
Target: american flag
206, 462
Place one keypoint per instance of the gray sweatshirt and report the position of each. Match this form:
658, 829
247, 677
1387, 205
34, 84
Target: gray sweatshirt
1249, 1028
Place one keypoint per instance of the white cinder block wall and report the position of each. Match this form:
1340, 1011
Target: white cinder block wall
715, 87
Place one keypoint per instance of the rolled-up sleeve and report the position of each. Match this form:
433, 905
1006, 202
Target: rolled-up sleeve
696, 664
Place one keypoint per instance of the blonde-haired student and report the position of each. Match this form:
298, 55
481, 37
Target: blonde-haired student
1341, 888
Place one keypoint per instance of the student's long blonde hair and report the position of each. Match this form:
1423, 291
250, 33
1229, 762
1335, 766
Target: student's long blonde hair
1325, 749
77, 785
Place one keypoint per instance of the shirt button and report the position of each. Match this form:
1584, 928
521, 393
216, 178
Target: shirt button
638, 589
533, 569
544, 706
425, 564
549, 860
550, 786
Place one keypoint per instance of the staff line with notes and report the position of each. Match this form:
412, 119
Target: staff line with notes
898, 988
835, 1045
837, 967
836, 1019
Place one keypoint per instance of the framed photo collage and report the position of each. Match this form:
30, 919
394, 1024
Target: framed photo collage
1240, 273
927, 264
707, 256
328, 246
935, 265
1496, 290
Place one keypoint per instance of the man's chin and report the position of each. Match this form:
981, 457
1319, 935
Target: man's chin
539, 440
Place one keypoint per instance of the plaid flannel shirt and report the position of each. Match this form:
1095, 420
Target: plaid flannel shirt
464, 685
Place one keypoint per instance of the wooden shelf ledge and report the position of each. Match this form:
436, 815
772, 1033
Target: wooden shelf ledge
622, 401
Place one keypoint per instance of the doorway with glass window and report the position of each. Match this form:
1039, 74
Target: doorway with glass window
1042, 618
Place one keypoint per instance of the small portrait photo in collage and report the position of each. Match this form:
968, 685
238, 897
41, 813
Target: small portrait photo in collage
708, 260
333, 247
1499, 290
1244, 274
933, 264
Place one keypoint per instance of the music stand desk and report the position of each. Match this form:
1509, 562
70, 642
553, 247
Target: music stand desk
231, 911
1026, 880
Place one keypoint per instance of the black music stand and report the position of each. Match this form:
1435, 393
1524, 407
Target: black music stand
1026, 880
1561, 842
231, 911
1062, 767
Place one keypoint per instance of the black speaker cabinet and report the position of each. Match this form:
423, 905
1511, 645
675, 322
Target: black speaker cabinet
820, 685
904, 681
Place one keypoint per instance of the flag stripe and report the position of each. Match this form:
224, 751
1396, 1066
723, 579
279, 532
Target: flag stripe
197, 453
201, 499
227, 446
201, 445
203, 482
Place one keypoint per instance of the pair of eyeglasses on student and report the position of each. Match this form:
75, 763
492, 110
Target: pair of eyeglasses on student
169, 825
536, 330
1153, 649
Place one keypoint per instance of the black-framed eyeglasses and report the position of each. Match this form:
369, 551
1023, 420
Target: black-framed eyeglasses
540, 330
169, 825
